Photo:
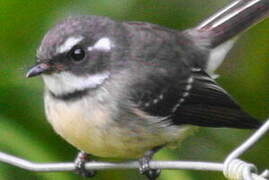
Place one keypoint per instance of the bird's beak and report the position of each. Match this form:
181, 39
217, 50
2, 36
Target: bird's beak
38, 69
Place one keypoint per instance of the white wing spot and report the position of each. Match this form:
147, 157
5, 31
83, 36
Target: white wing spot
188, 87
190, 80
147, 104
155, 101
196, 69
186, 92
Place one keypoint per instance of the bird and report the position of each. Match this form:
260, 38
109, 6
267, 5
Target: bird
126, 89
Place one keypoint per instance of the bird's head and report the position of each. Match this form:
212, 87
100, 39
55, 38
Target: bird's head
77, 54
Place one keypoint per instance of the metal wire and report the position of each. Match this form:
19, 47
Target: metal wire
232, 167
70, 166
249, 142
237, 169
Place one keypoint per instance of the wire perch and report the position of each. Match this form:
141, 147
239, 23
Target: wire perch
232, 168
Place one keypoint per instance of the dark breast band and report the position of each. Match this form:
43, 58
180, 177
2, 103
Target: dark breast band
72, 96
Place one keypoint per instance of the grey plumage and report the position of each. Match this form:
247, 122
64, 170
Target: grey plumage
118, 89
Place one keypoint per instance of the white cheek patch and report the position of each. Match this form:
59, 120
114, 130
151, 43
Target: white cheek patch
64, 82
103, 44
69, 43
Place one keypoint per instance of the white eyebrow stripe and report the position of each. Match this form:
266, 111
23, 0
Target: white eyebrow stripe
69, 43
103, 44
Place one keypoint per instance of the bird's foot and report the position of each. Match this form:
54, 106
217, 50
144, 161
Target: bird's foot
80, 161
144, 169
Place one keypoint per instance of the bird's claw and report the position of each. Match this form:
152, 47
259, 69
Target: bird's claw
145, 169
80, 161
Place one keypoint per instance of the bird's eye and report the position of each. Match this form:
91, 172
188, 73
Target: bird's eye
77, 54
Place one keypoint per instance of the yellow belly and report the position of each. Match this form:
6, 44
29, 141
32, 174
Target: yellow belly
92, 130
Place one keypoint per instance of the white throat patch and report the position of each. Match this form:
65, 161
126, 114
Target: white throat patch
65, 82
69, 43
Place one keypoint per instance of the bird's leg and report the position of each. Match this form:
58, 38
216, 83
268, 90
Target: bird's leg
144, 168
80, 161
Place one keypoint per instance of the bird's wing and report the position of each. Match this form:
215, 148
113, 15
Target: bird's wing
195, 99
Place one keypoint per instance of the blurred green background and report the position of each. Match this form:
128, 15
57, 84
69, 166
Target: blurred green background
24, 131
